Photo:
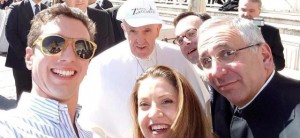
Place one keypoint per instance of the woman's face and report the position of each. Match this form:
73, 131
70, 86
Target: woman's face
157, 107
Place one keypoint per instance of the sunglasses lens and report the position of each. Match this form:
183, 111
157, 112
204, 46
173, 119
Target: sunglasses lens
53, 44
84, 49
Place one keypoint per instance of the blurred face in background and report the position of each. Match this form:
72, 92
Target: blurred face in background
141, 39
157, 107
81, 4
248, 9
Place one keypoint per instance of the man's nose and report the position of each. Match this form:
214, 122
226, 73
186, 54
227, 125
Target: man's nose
141, 38
247, 15
218, 69
68, 53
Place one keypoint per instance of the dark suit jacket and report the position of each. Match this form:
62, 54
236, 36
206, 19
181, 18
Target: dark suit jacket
272, 114
272, 37
6, 3
119, 33
101, 6
17, 29
104, 37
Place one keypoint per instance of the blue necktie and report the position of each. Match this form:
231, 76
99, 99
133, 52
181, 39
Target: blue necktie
37, 9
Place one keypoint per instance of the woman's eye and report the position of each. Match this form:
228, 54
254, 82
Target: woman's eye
142, 104
167, 101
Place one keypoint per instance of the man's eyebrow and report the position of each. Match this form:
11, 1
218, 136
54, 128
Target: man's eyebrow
215, 47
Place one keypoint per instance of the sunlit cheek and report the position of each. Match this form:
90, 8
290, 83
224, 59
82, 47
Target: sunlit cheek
143, 120
171, 112
173, 115
85, 68
132, 38
209, 76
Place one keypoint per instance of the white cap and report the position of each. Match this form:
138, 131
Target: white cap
139, 13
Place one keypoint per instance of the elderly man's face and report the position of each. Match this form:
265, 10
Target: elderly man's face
81, 4
248, 9
188, 46
240, 79
141, 39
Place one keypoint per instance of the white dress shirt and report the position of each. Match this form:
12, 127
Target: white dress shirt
38, 117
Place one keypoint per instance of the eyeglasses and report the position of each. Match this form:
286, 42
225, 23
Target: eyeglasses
224, 56
55, 44
189, 34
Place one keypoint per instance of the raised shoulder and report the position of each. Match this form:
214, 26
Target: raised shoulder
269, 28
96, 13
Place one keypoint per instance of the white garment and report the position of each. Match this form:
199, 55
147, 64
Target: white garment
3, 41
106, 90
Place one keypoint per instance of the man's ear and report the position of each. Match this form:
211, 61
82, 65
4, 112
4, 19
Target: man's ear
29, 57
158, 29
124, 30
267, 55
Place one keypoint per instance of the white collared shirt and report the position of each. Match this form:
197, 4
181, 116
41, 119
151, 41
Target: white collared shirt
40, 117
32, 3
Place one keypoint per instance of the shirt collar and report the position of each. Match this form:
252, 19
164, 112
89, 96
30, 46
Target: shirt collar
32, 3
45, 107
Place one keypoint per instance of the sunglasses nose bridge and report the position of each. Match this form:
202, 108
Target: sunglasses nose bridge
68, 51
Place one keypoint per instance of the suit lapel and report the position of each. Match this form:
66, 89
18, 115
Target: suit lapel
88, 10
43, 6
28, 13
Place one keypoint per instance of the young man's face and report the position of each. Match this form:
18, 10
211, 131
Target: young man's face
141, 39
59, 76
188, 46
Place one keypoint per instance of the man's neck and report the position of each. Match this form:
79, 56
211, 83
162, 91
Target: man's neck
36, 1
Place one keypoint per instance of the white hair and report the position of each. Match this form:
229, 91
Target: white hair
249, 32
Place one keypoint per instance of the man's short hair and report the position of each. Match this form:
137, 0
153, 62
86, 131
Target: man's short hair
202, 16
50, 14
255, 1
249, 32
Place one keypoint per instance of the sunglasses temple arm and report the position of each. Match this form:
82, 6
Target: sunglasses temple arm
167, 39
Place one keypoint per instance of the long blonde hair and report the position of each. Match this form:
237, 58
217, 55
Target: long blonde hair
190, 121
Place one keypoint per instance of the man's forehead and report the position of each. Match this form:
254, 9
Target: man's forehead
143, 27
248, 4
187, 23
217, 45
213, 31
219, 37
51, 27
